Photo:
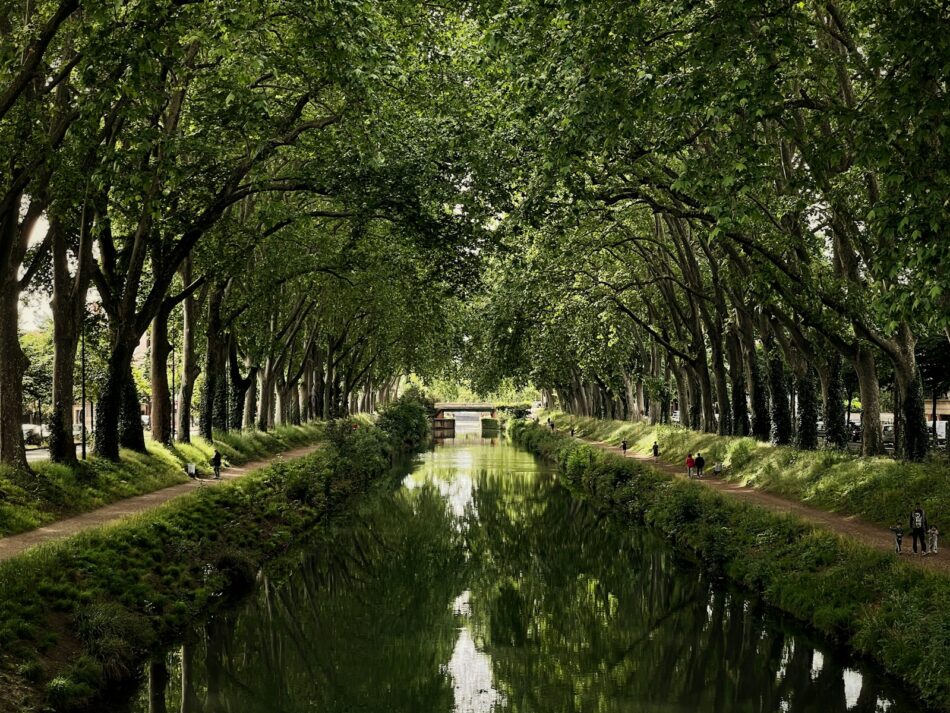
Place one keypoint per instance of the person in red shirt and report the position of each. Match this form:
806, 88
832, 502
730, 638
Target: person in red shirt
690, 464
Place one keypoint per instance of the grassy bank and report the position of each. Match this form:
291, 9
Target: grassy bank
877, 605
879, 490
84, 613
52, 492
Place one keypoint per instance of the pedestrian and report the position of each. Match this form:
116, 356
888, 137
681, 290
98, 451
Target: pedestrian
572, 431
690, 464
552, 425
700, 463
216, 464
898, 537
656, 450
717, 469
623, 447
918, 528
932, 534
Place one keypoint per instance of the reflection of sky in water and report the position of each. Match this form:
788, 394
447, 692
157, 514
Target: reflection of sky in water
471, 670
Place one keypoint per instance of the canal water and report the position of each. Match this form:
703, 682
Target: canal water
483, 586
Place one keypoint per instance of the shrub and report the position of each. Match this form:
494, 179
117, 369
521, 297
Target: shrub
407, 421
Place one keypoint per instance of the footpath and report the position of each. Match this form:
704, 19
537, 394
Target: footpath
17, 544
850, 526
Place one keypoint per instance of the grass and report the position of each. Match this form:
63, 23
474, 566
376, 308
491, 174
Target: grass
876, 604
54, 491
879, 490
83, 613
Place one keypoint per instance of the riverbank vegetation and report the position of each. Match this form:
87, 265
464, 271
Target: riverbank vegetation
83, 613
57, 490
877, 489
879, 606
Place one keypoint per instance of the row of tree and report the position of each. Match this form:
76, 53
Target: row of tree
718, 195
269, 185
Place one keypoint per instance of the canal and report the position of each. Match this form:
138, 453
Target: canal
482, 585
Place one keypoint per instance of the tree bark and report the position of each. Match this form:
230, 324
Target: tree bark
807, 435
189, 363
739, 404
13, 365
161, 395
872, 441
836, 431
781, 416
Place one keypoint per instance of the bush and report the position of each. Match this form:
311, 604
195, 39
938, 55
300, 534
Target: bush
407, 421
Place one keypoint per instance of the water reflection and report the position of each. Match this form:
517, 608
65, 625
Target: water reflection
482, 586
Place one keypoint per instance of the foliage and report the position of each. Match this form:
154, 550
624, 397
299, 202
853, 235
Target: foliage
873, 602
407, 421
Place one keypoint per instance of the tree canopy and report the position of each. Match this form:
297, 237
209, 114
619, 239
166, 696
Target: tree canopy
721, 209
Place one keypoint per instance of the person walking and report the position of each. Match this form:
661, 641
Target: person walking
690, 464
623, 447
216, 464
918, 528
656, 450
932, 534
700, 463
572, 431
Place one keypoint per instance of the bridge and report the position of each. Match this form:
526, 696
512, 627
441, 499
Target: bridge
443, 408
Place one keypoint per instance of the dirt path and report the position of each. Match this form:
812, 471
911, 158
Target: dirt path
16, 544
847, 525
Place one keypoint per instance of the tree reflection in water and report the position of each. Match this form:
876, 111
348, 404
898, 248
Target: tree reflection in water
485, 587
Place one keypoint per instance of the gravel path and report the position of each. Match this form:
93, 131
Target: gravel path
16, 544
851, 526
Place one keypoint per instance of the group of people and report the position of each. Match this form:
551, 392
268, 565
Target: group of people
920, 530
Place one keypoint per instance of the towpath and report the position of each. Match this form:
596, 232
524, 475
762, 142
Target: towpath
16, 544
851, 526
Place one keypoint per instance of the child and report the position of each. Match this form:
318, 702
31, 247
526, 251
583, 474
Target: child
898, 536
656, 450
690, 464
932, 535
623, 447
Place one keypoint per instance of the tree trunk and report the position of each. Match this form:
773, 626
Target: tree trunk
807, 436
110, 404
62, 446
210, 409
781, 415
911, 415
157, 685
131, 430
161, 396
189, 363
739, 404
13, 364
872, 441
250, 405
836, 430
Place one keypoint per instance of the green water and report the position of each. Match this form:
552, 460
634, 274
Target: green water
483, 586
